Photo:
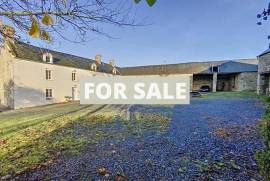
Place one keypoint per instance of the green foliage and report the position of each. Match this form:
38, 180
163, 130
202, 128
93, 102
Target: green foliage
47, 19
34, 30
242, 94
149, 2
263, 157
45, 36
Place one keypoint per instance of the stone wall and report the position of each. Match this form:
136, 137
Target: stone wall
201, 80
247, 81
263, 74
6, 77
264, 64
228, 82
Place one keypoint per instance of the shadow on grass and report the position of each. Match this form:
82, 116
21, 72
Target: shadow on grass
5, 131
71, 137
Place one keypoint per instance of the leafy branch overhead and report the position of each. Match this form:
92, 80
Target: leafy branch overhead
263, 16
149, 2
46, 18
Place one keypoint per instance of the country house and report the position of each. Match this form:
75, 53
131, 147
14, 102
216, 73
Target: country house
32, 76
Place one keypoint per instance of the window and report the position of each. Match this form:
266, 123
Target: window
48, 58
114, 71
73, 76
48, 75
49, 94
94, 67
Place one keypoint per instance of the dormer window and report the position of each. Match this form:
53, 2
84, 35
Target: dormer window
94, 67
48, 58
114, 71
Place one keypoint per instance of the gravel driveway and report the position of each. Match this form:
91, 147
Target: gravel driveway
210, 139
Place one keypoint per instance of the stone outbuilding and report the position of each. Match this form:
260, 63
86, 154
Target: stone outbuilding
228, 76
263, 84
237, 75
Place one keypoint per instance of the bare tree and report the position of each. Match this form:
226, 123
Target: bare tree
46, 18
264, 16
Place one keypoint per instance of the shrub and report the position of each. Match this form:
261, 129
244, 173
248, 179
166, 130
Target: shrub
263, 157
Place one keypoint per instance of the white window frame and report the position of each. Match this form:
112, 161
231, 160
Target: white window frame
114, 71
94, 67
49, 76
47, 96
49, 56
74, 78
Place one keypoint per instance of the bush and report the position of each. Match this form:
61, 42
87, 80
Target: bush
263, 157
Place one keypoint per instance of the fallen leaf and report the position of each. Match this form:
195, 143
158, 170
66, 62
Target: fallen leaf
102, 171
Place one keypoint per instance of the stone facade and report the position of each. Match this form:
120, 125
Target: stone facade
201, 80
23, 82
228, 82
247, 81
264, 64
263, 73
237, 75
24, 68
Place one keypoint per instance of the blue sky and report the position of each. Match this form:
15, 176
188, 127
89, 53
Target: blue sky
182, 31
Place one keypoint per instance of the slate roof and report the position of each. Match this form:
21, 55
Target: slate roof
265, 52
233, 67
183, 68
192, 68
34, 53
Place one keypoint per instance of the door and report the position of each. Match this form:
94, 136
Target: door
75, 94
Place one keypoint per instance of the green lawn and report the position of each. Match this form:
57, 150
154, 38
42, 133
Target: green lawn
243, 94
35, 137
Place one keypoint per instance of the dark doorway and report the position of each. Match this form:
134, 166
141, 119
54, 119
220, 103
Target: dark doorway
224, 83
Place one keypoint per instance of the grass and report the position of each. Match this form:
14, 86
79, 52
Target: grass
241, 94
263, 156
35, 137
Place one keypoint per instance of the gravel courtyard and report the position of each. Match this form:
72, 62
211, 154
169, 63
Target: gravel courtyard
210, 139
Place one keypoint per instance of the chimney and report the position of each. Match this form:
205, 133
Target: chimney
111, 62
8, 33
1, 25
98, 59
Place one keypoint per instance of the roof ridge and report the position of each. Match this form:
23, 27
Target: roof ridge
30, 52
77, 56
